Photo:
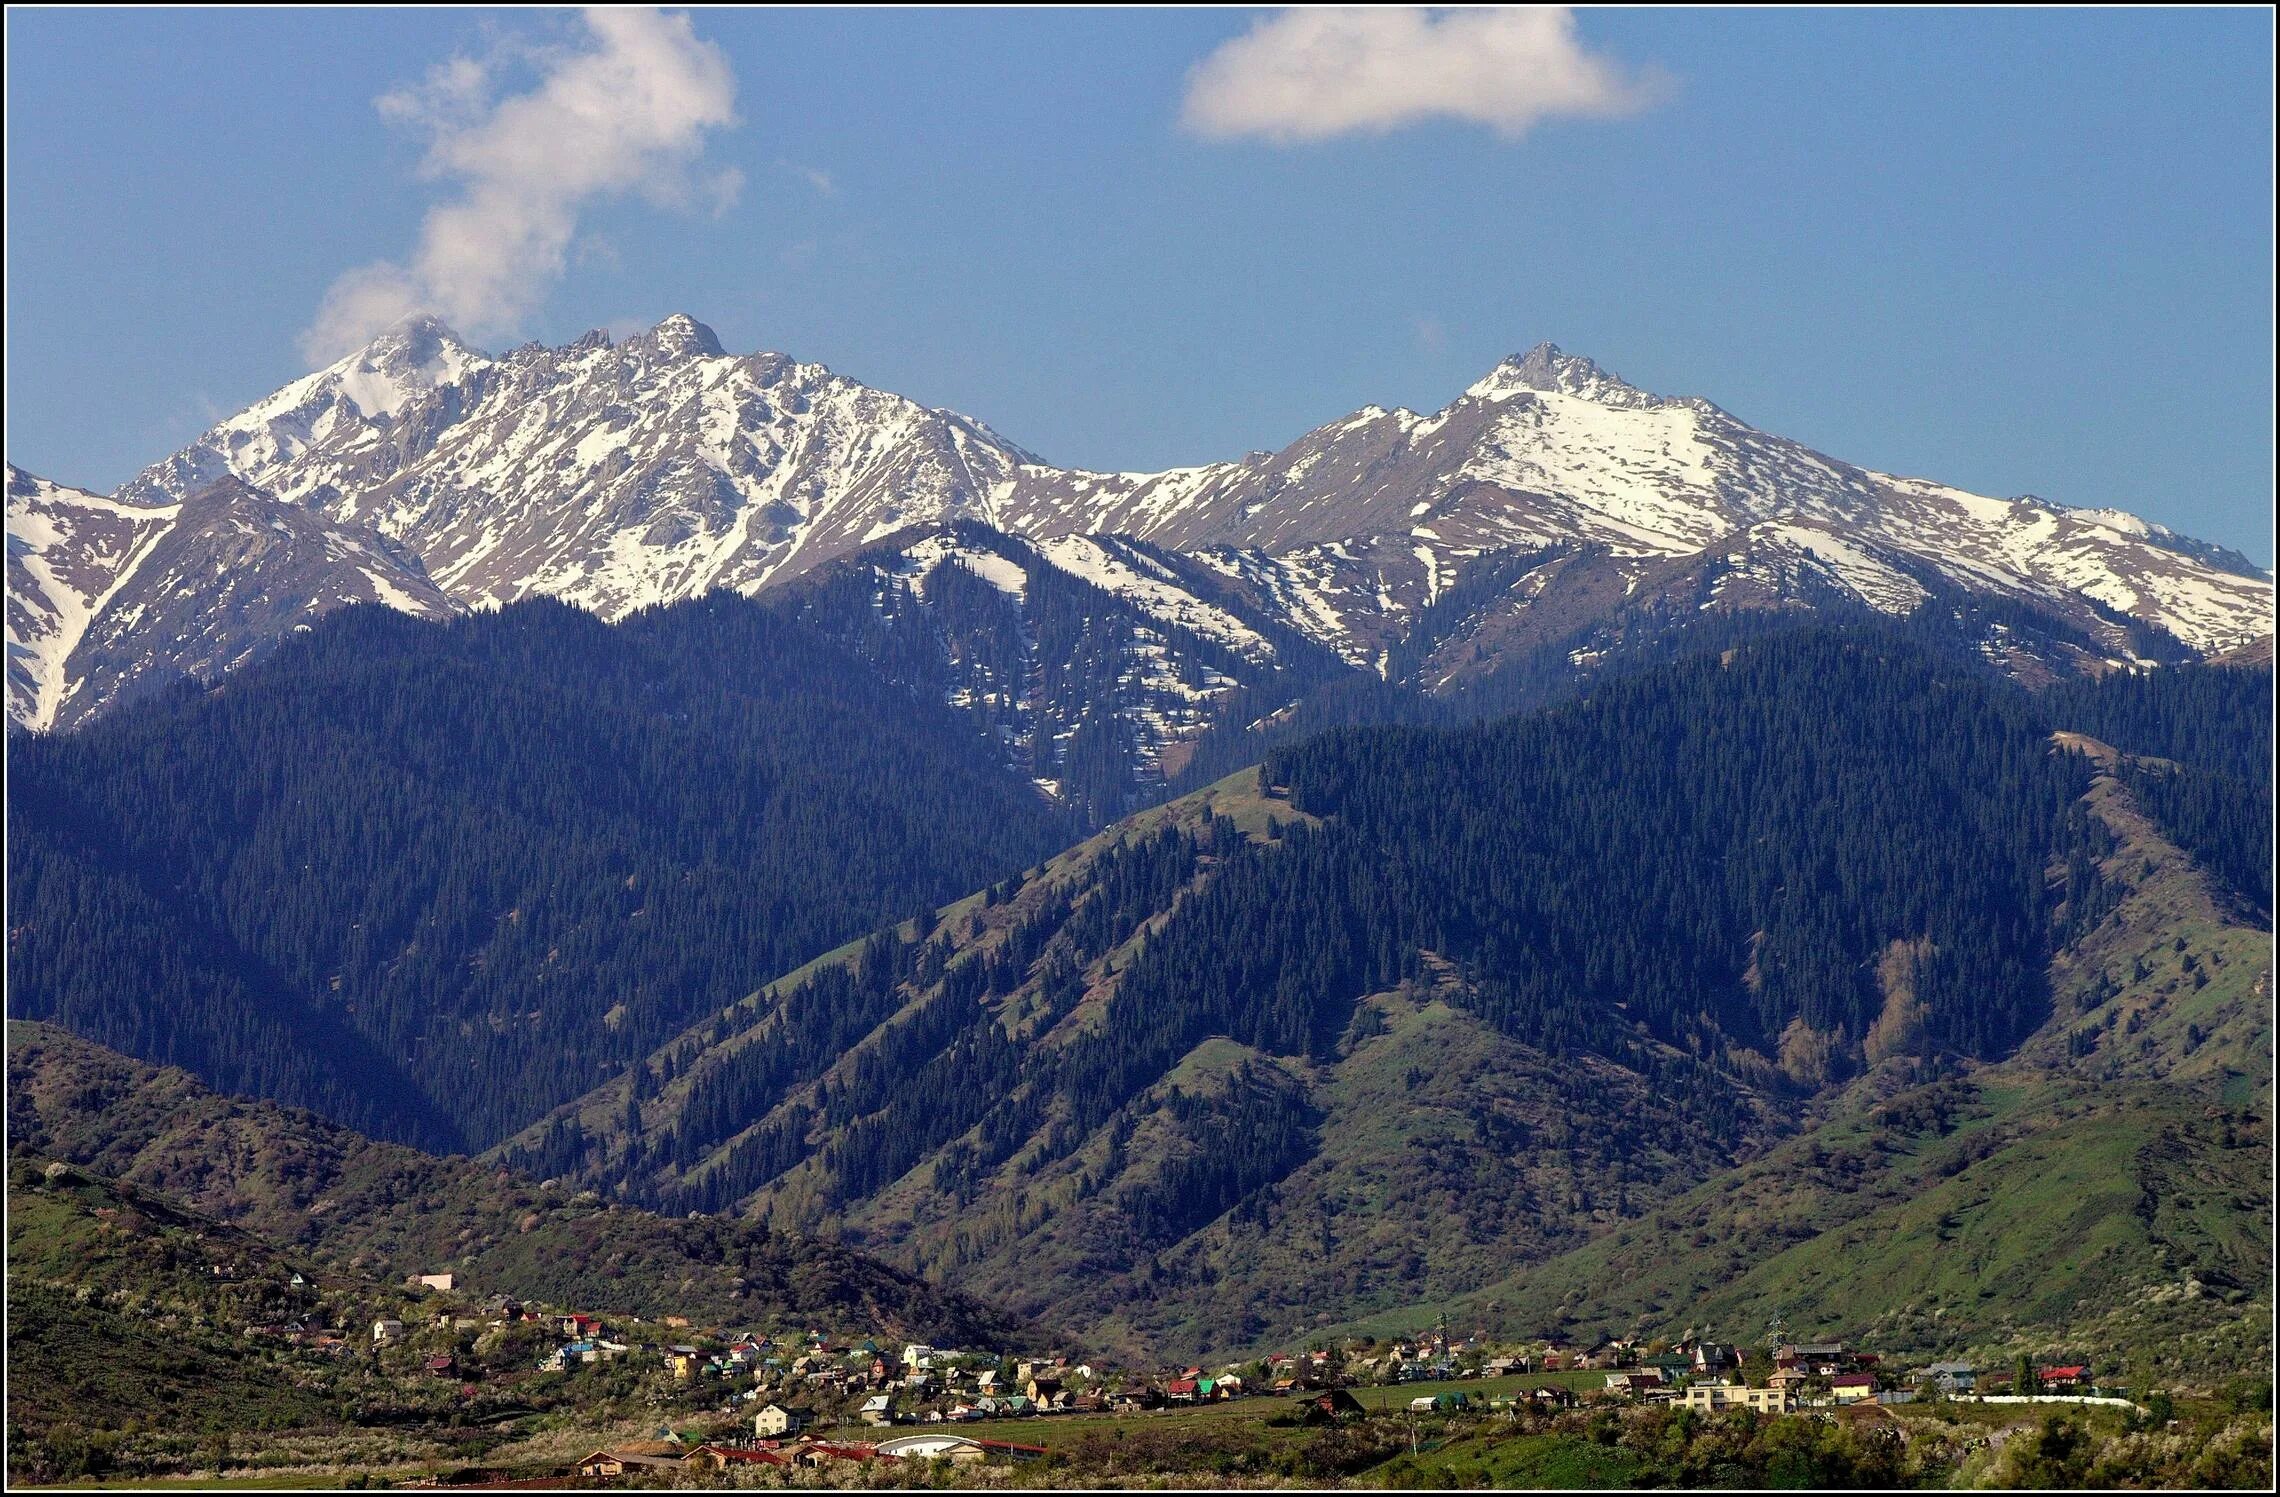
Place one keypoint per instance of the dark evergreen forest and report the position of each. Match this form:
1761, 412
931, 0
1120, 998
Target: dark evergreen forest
433, 881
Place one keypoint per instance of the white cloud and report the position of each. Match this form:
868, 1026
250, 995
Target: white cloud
1312, 74
627, 111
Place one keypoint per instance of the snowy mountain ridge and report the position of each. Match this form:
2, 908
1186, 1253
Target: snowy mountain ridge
621, 474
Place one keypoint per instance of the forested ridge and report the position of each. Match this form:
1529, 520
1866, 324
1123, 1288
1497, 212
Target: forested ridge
2211, 726
433, 880
1731, 881
1727, 846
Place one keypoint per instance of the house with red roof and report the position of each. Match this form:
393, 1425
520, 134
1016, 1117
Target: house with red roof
722, 1457
1853, 1387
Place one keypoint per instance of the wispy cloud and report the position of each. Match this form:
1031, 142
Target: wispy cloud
1308, 75
815, 176
626, 110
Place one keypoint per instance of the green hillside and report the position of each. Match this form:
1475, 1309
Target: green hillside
127, 1309
361, 1207
2125, 1221
2107, 1188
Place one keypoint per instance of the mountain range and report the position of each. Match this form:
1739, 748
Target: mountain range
1424, 867
1551, 513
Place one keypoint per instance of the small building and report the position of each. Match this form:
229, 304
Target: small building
1330, 1406
643, 1455
775, 1421
722, 1457
387, 1331
2063, 1379
442, 1282
936, 1446
879, 1408
1710, 1398
824, 1452
1853, 1387
1950, 1377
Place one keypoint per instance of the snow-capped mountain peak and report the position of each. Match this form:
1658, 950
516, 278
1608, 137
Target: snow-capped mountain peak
293, 442
683, 337
415, 356
1547, 369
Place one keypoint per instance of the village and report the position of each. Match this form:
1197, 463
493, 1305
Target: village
728, 1398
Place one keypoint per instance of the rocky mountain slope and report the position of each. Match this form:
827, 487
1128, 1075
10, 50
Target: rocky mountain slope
1097, 663
1550, 449
621, 474
111, 597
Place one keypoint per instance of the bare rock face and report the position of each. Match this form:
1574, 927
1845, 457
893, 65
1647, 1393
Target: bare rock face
421, 473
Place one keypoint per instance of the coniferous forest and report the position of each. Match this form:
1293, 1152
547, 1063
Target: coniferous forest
437, 880
1785, 857
433, 880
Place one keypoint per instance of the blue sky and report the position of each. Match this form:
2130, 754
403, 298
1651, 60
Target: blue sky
2017, 251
